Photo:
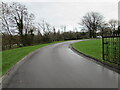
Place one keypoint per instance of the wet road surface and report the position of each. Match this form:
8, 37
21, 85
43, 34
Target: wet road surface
57, 66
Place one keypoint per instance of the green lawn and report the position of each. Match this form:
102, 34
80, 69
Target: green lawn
91, 47
11, 57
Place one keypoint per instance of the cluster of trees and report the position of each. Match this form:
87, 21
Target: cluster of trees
95, 25
18, 27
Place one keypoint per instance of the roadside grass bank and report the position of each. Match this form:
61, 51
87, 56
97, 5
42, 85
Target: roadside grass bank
11, 57
92, 48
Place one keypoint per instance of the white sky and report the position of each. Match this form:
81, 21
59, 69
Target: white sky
69, 12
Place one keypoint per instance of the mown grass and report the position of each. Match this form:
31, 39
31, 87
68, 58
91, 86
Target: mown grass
91, 48
11, 57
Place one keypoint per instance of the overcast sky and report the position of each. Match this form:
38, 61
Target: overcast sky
69, 12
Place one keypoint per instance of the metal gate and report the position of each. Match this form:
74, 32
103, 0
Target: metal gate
111, 48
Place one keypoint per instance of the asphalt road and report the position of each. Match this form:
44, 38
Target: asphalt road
57, 66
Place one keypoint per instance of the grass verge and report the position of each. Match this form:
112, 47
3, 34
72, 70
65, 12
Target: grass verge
11, 57
91, 48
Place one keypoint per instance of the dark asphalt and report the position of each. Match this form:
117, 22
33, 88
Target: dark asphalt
57, 66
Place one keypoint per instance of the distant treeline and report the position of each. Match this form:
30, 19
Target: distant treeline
10, 42
18, 27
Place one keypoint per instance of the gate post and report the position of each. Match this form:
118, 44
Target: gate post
103, 48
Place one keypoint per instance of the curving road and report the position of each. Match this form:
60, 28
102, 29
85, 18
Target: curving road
57, 66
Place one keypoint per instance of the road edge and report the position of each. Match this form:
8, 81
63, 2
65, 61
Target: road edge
12, 71
107, 65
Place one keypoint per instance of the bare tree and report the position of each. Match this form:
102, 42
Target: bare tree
28, 23
92, 21
63, 29
6, 28
45, 27
104, 29
17, 20
46, 30
5, 19
113, 24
